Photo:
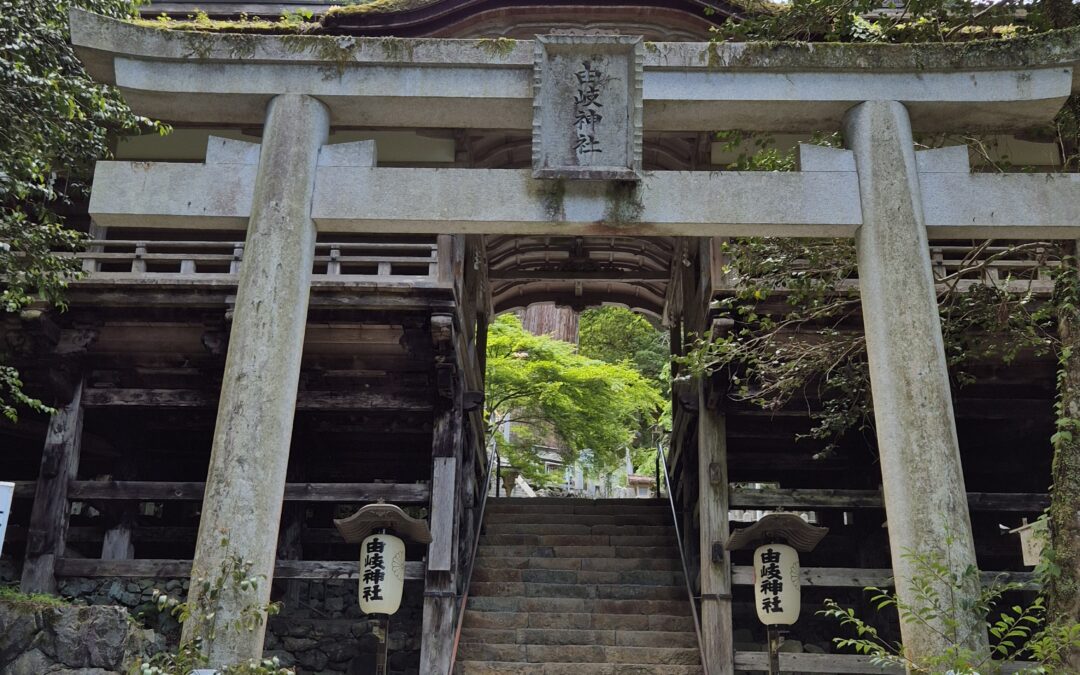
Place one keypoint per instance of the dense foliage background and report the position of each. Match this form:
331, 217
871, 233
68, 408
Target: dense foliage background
54, 124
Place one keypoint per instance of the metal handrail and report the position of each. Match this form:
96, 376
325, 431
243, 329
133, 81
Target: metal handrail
662, 461
493, 462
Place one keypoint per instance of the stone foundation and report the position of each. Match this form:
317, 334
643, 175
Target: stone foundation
320, 629
39, 638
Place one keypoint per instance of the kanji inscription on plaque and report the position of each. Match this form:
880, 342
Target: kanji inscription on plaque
587, 107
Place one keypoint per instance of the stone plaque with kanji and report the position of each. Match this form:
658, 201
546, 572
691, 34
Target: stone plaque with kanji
587, 107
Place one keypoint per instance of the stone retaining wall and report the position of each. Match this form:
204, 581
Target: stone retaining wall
320, 628
40, 638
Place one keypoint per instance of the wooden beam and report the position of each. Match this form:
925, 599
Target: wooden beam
443, 496
169, 534
770, 498
813, 663
854, 577
440, 584
49, 516
716, 622
623, 276
838, 664
398, 493
178, 569
368, 401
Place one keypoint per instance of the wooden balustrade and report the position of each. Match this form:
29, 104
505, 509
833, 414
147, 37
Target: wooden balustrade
808, 500
397, 493
411, 263
179, 569
858, 577
962, 267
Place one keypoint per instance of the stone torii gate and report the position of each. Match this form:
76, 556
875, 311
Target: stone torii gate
880, 191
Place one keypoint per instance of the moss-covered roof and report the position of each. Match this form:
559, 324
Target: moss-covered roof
365, 7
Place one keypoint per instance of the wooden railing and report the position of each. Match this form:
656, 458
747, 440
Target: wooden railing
412, 263
1019, 269
162, 491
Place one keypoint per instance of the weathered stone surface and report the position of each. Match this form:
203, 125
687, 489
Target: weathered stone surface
346, 643
95, 640
927, 509
688, 86
587, 114
246, 479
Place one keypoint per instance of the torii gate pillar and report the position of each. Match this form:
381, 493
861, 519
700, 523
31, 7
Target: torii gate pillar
246, 481
925, 497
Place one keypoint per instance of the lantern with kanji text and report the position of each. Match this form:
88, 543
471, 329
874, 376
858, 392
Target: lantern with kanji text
777, 539
776, 584
382, 552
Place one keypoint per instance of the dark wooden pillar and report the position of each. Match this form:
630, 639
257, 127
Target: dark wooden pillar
117, 544
49, 517
716, 625
441, 578
293, 515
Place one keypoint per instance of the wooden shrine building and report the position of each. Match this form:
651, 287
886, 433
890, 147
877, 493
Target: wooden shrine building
285, 304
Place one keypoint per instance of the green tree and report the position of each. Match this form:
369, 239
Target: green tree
542, 387
617, 335
57, 122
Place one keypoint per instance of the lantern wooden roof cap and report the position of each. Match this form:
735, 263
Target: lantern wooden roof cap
379, 516
786, 528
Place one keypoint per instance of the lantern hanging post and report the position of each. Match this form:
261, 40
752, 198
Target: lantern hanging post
777, 539
379, 529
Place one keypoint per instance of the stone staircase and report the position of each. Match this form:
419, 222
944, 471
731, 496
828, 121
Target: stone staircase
578, 587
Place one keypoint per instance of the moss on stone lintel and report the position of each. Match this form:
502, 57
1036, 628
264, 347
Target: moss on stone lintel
1043, 49
1038, 48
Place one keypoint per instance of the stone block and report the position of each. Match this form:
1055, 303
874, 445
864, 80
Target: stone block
587, 110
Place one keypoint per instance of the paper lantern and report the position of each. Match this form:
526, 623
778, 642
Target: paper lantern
382, 573
777, 594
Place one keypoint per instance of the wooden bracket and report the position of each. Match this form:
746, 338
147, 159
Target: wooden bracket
442, 332
718, 553
445, 374
442, 339
216, 342
76, 342
717, 473
472, 400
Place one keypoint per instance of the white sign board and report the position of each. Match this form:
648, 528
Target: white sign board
7, 490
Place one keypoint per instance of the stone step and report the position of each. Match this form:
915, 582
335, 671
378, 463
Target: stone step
535, 502
584, 587
489, 603
566, 509
574, 540
625, 577
521, 589
583, 620
573, 527
592, 564
474, 651
540, 518
531, 551
505, 668
578, 636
